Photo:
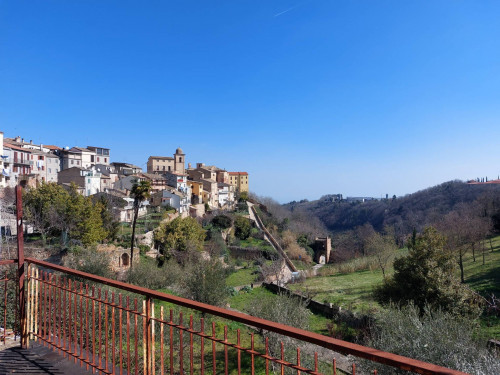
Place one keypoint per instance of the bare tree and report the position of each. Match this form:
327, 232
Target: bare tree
464, 228
382, 246
364, 233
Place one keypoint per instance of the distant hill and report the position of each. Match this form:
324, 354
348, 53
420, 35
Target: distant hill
405, 213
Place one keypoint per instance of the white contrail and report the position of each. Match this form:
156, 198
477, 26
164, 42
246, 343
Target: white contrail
285, 11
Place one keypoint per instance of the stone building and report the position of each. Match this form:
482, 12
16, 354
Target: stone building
162, 164
322, 249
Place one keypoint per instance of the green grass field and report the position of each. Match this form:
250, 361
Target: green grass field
256, 243
353, 290
243, 276
485, 279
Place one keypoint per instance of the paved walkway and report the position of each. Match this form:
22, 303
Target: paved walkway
36, 360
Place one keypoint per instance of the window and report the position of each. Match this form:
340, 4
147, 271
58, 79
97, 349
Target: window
92, 158
71, 162
105, 160
98, 159
77, 162
50, 170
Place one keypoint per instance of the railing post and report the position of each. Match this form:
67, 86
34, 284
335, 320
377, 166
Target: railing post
148, 337
20, 265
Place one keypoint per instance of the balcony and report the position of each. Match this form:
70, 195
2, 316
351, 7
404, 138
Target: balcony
113, 327
22, 161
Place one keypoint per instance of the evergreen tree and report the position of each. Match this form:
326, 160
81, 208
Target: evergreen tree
180, 234
427, 276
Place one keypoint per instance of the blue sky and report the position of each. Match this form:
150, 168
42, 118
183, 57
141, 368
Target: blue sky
310, 97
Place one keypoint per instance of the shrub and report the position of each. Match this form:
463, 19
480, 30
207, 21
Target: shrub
88, 260
222, 221
432, 336
148, 275
280, 309
144, 249
205, 281
246, 289
242, 206
242, 227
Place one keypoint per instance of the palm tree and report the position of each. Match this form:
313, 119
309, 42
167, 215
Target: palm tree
140, 192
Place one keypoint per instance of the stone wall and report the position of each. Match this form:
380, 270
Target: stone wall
119, 256
326, 309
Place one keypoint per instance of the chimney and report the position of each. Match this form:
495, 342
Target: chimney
189, 165
31, 141
41, 147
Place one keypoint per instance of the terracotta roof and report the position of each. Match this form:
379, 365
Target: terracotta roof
472, 182
17, 147
51, 147
238, 173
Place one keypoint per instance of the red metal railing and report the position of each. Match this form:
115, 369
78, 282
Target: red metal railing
113, 327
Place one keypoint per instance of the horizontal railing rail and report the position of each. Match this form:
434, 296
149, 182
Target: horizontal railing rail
47, 294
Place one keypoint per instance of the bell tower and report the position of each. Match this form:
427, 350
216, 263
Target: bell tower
179, 161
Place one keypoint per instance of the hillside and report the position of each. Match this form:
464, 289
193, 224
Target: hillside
405, 213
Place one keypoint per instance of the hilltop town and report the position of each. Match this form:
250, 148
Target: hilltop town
190, 191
